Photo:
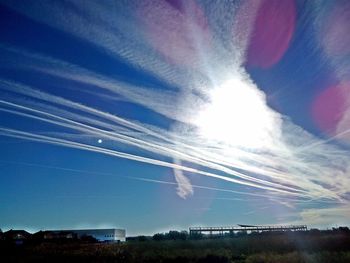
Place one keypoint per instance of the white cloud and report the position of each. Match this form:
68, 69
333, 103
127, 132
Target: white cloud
184, 188
322, 217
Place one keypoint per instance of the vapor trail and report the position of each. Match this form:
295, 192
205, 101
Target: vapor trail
149, 180
61, 142
61, 101
139, 143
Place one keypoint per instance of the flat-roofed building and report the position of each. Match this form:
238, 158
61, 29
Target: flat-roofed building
101, 235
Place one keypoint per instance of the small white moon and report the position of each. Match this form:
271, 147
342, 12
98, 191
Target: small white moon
99, 141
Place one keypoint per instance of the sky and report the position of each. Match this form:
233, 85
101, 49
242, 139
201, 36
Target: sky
166, 114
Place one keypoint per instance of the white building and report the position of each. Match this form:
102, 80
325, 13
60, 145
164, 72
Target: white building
102, 235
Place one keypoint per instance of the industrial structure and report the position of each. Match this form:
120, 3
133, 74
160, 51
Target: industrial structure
244, 228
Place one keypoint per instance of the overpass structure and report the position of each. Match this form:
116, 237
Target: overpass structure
221, 230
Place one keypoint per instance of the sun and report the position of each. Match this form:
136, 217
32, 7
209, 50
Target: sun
237, 115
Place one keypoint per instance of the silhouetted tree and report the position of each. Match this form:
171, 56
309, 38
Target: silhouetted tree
158, 237
142, 238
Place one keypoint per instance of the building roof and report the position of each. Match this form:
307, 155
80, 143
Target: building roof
16, 234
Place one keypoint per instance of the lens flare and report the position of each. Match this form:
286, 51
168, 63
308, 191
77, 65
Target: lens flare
273, 30
331, 108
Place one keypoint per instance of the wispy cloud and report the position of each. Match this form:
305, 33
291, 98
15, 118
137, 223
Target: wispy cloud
184, 188
337, 215
116, 32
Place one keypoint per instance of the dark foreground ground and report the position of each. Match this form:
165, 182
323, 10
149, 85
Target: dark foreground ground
268, 248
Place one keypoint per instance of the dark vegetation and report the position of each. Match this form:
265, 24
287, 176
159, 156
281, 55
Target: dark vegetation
309, 246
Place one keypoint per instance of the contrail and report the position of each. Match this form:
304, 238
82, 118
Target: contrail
322, 142
138, 144
35, 93
151, 180
61, 101
61, 142
135, 142
21, 89
133, 126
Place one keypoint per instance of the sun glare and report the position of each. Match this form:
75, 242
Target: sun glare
237, 115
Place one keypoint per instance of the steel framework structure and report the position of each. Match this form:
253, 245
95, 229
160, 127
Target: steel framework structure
249, 228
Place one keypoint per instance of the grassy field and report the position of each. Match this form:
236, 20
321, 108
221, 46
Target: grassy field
281, 248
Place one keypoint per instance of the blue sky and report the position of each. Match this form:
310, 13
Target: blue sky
158, 115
